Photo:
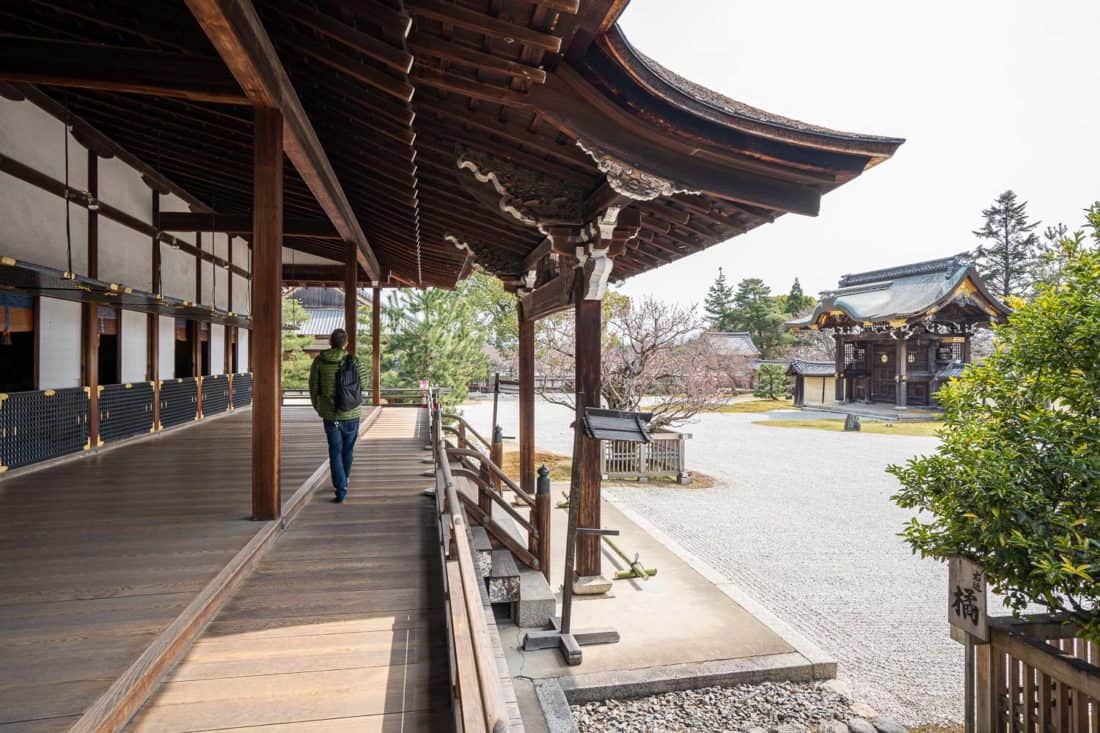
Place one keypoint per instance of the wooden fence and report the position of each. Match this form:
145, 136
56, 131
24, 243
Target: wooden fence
662, 458
1036, 676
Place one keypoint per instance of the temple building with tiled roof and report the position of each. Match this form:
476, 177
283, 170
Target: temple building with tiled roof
902, 332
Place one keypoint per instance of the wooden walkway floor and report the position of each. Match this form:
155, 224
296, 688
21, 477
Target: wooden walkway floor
99, 554
340, 628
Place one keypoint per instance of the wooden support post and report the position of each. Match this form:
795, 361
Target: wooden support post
496, 455
265, 341
154, 365
587, 315
902, 373
351, 298
526, 404
839, 369
540, 520
91, 310
376, 346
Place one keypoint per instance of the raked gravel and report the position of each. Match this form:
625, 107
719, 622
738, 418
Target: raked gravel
740, 708
802, 521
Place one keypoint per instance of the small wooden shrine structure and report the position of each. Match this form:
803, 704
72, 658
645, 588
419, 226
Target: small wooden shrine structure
903, 331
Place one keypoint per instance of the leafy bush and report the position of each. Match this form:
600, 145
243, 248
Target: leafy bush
1015, 484
771, 382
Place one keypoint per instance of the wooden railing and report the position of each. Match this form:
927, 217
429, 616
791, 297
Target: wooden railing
391, 396
490, 480
475, 683
1036, 676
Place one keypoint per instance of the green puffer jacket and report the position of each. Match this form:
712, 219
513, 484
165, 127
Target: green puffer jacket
322, 384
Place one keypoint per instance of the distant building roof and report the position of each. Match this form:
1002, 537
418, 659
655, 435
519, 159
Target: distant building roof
953, 370
321, 321
732, 342
909, 292
804, 368
319, 297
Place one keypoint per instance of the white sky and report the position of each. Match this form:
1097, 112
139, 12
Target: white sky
990, 94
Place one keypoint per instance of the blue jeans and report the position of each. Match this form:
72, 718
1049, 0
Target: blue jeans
341, 435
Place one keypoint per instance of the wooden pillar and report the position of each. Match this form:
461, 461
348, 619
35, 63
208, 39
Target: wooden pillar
839, 368
376, 346
154, 318
526, 404
351, 299
91, 310
587, 316
267, 242
902, 372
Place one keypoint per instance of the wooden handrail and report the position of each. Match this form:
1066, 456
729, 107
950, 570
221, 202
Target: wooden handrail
494, 469
468, 426
489, 692
497, 499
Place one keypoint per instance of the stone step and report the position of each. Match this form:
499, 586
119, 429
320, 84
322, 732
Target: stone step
503, 580
483, 550
536, 602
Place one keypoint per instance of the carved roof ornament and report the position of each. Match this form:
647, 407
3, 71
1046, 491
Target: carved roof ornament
531, 197
627, 180
463, 246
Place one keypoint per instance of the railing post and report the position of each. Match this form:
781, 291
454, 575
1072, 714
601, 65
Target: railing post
984, 688
462, 435
497, 455
540, 520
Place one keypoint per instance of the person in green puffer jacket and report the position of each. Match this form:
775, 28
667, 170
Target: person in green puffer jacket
341, 428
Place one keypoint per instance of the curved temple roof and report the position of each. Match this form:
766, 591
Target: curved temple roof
553, 116
907, 293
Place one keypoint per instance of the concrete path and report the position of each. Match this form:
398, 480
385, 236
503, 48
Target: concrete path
802, 521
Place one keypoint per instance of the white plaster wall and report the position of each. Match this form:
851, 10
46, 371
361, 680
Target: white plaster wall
135, 352
121, 187
215, 280
294, 257
813, 393
242, 296
167, 347
242, 349
32, 221
217, 348
58, 344
125, 255
177, 273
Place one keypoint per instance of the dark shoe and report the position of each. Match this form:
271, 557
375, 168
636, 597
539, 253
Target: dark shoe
340, 498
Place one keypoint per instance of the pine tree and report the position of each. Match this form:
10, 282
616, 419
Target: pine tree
1009, 261
796, 300
756, 311
719, 303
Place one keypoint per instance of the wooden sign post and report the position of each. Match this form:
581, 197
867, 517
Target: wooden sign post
966, 612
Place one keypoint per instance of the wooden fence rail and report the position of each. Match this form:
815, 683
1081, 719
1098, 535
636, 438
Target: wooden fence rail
664, 457
1037, 676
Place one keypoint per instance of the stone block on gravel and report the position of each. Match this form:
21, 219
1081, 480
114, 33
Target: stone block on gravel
886, 724
832, 726
859, 725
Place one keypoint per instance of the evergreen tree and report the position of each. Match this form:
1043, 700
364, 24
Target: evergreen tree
796, 300
435, 335
758, 313
1009, 260
719, 303
296, 361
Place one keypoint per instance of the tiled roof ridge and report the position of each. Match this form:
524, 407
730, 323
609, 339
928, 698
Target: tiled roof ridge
946, 265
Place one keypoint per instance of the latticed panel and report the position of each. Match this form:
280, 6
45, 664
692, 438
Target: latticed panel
178, 401
215, 394
242, 389
621, 458
664, 457
36, 426
125, 410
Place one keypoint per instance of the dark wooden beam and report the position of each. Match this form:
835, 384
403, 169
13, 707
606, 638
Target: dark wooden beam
426, 45
537, 254
461, 17
266, 311
351, 299
392, 56
241, 225
234, 27
117, 69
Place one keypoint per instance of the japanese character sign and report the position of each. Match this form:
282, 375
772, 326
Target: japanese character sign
966, 598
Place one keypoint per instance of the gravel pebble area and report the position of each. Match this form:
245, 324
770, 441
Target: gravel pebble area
739, 708
802, 521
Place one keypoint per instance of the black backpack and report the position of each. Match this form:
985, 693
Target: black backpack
349, 390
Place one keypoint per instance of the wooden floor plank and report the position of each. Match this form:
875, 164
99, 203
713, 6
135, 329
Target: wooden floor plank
101, 553
340, 627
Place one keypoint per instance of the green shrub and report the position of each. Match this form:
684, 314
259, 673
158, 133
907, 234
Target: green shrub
1015, 484
771, 382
